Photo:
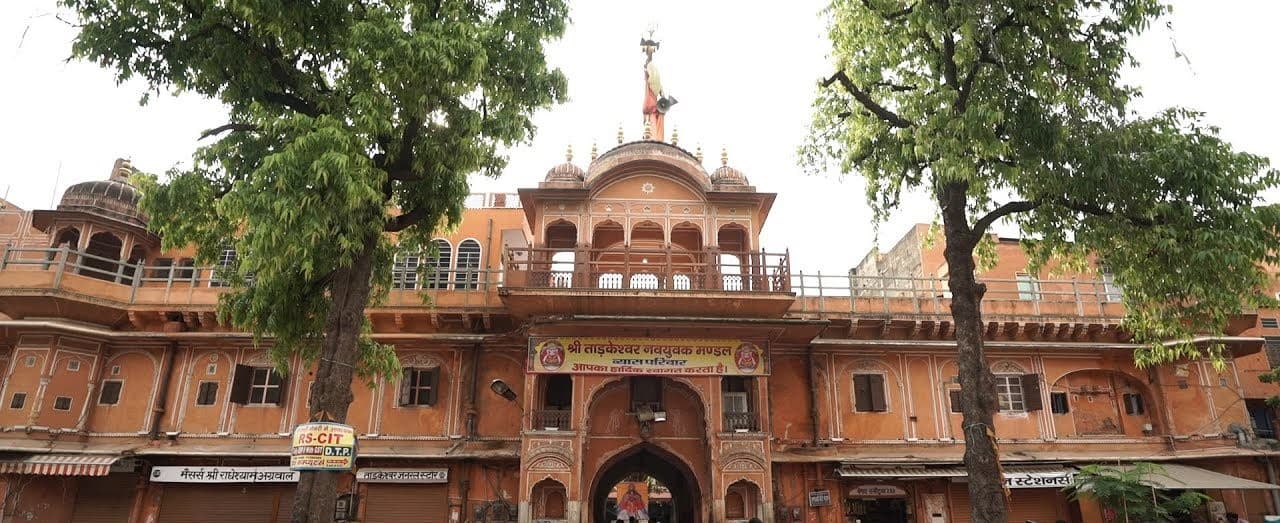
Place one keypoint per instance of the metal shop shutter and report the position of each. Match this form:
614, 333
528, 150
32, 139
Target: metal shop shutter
406, 504
104, 499
1038, 504
241, 503
959, 509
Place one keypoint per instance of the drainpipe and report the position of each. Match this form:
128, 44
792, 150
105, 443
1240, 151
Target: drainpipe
162, 395
1271, 478
813, 396
471, 392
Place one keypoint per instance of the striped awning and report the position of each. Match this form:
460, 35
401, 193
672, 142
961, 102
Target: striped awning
57, 464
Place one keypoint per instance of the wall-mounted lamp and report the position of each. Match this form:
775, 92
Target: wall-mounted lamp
646, 413
500, 388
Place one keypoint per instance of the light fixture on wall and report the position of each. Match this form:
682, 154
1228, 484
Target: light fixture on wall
500, 388
645, 413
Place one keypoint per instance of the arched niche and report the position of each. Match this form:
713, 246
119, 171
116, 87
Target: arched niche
549, 500
103, 256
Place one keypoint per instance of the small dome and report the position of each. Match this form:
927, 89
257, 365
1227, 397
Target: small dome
113, 198
725, 175
567, 171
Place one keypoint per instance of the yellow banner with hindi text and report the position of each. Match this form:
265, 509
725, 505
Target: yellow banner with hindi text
684, 357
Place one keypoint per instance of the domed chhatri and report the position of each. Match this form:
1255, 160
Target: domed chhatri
567, 171
725, 175
113, 197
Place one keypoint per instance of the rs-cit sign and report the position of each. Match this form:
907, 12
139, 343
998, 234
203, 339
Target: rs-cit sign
323, 446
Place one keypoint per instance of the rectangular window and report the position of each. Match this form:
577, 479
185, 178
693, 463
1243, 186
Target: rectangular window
225, 263
1133, 404
1270, 323
1028, 287
646, 391
736, 394
110, 394
1009, 390
256, 386
419, 386
868, 393
186, 270
62, 403
19, 400
1112, 290
404, 271
956, 405
1271, 344
162, 268
207, 393
1058, 403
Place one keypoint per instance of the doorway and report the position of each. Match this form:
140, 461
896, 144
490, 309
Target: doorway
877, 510
646, 477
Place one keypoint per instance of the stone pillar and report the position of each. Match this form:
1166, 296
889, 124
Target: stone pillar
573, 511
524, 513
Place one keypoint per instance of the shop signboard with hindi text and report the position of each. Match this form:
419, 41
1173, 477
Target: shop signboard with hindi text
648, 356
323, 446
183, 474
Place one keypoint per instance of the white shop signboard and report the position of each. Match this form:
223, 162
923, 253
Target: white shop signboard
380, 475
1055, 479
223, 475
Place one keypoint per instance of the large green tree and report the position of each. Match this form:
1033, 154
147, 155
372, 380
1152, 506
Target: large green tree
1013, 110
346, 120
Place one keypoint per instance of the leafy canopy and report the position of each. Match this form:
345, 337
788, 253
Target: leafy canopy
1127, 491
346, 120
1018, 104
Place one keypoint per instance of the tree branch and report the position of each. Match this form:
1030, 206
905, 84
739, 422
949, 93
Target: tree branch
980, 226
1096, 210
890, 17
984, 57
949, 61
863, 98
402, 168
406, 220
228, 127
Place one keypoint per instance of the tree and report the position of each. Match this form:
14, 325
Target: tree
1127, 493
347, 121
1012, 110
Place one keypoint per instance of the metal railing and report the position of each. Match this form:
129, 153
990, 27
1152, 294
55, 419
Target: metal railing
553, 419
647, 269
607, 269
854, 294
186, 284
741, 422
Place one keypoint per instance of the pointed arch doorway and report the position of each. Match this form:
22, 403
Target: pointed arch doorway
659, 464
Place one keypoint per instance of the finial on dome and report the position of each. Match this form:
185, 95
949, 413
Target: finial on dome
121, 171
594, 153
724, 155
568, 153
648, 130
675, 136
619, 134
699, 153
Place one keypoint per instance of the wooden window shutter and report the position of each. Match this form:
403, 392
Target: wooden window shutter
861, 392
1031, 392
433, 379
876, 384
241, 380
955, 401
406, 382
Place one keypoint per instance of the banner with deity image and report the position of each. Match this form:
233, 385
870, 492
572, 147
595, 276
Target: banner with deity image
684, 357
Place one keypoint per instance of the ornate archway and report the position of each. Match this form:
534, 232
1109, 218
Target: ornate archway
658, 463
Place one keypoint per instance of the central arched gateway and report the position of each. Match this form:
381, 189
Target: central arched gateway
650, 459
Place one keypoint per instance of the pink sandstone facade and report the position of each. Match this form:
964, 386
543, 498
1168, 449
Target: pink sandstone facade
641, 329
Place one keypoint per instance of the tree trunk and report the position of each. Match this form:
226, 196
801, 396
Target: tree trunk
978, 397
331, 395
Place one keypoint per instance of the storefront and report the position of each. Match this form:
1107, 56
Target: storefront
241, 494
940, 494
402, 494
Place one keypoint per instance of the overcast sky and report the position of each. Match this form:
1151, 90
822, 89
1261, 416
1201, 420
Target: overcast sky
744, 72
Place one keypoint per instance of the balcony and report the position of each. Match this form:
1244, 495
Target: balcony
554, 419
741, 422
646, 281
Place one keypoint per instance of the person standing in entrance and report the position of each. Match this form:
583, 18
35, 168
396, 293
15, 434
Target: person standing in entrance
1232, 517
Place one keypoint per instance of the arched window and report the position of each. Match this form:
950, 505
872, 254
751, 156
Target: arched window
468, 268
404, 270
102, 258
439, 264
68, 238
644, 281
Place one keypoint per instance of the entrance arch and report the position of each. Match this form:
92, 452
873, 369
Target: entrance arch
658, 463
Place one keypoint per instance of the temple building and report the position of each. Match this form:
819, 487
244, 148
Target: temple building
613, 343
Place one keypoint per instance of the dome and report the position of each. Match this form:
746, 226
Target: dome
725, 175
567, 171
113, 198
